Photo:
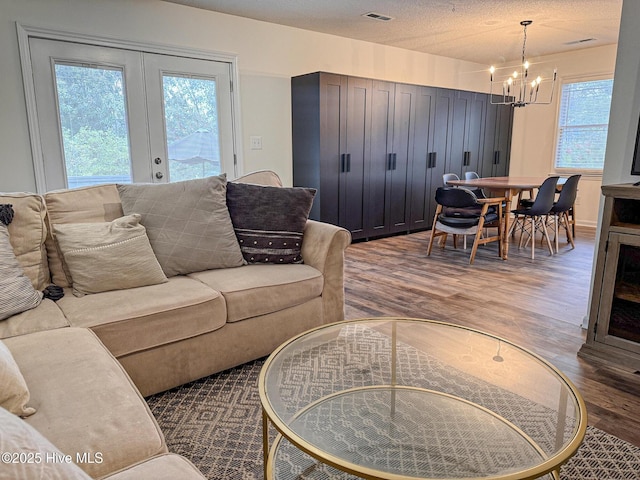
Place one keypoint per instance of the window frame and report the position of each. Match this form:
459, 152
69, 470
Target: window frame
25, 32
587, 172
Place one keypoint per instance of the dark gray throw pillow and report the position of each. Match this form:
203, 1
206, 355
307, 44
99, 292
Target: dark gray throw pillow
269, 221
187, 223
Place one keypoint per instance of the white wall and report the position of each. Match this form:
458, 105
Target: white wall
268, 55
534, 127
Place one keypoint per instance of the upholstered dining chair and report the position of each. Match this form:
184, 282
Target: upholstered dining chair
535, 217
561, 209
460, 212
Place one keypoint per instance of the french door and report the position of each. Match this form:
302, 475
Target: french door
109, 114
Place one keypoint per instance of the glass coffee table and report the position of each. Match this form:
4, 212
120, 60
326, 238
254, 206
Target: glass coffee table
396, 398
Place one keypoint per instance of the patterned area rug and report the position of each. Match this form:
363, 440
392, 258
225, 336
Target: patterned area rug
216, 422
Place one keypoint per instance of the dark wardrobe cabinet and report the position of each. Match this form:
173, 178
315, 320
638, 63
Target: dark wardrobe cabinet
376, 151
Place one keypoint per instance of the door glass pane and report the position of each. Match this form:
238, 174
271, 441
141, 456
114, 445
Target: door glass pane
93, 121
191, 127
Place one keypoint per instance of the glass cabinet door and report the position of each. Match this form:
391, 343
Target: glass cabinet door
619, 315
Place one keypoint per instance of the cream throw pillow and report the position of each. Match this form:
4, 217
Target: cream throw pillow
14, 394
17, 437
108, 256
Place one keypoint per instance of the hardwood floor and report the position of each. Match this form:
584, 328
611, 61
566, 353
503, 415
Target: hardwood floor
537, 304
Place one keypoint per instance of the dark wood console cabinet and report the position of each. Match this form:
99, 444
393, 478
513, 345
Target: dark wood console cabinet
614, 317
376, 151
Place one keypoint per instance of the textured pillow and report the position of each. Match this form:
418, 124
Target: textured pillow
16, 290
108, 256
18, 437
187, 222
14, 393
269, 221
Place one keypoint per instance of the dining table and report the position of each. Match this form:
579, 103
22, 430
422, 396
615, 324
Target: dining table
508, 187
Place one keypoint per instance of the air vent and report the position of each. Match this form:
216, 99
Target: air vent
584, 40
378, 16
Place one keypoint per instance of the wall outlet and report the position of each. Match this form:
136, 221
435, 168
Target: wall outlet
255, 142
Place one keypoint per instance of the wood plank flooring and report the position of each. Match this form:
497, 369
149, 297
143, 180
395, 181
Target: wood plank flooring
539, 304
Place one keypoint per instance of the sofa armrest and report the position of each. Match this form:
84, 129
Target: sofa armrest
323, 247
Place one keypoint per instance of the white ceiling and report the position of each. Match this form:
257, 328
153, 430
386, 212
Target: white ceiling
482, 31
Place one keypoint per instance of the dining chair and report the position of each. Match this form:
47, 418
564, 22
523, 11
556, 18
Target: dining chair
449, 176
536, 215
460, 212
561, 209
471, 175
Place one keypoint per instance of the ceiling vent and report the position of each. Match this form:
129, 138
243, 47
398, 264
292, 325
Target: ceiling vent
378, 16
584, 40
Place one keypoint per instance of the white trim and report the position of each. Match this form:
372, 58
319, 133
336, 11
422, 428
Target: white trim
27, 31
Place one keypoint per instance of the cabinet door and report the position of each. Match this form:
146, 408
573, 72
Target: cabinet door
354, 158
441, 145
476, 116
504, 122
467, 134
381, 160
495, 161
421, 168
398, 185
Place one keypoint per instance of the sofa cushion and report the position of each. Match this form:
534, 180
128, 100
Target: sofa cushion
139, 318
18, 437
86, 404
187, 222
14, 394
16, 291
261, 177
162, 467
45, 316
99, 203
108, 256
260, 289
269, 221
28, 232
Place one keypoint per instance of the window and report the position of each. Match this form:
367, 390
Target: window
108, 114
582, 125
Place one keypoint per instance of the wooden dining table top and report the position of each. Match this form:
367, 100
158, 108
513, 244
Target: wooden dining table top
513, 183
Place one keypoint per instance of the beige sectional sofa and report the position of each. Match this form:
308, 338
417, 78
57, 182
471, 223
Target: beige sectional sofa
89, 360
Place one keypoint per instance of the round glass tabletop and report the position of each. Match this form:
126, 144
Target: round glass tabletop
395, 398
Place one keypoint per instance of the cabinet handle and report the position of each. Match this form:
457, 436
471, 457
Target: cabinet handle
348, 162
390, 161
496, 157
433, 156
467, 159
343, 163
395, 160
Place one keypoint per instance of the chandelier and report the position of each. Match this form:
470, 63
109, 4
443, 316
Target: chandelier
518, 90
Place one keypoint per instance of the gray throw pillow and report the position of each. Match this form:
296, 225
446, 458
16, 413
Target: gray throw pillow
187, 223
269, 221
16, 290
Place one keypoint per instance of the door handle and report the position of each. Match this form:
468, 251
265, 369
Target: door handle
395, 160
348, 162
496, 157
467, 159
342, 162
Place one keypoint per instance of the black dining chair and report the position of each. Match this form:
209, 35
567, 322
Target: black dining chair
460, 212
561, 209
535, 217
